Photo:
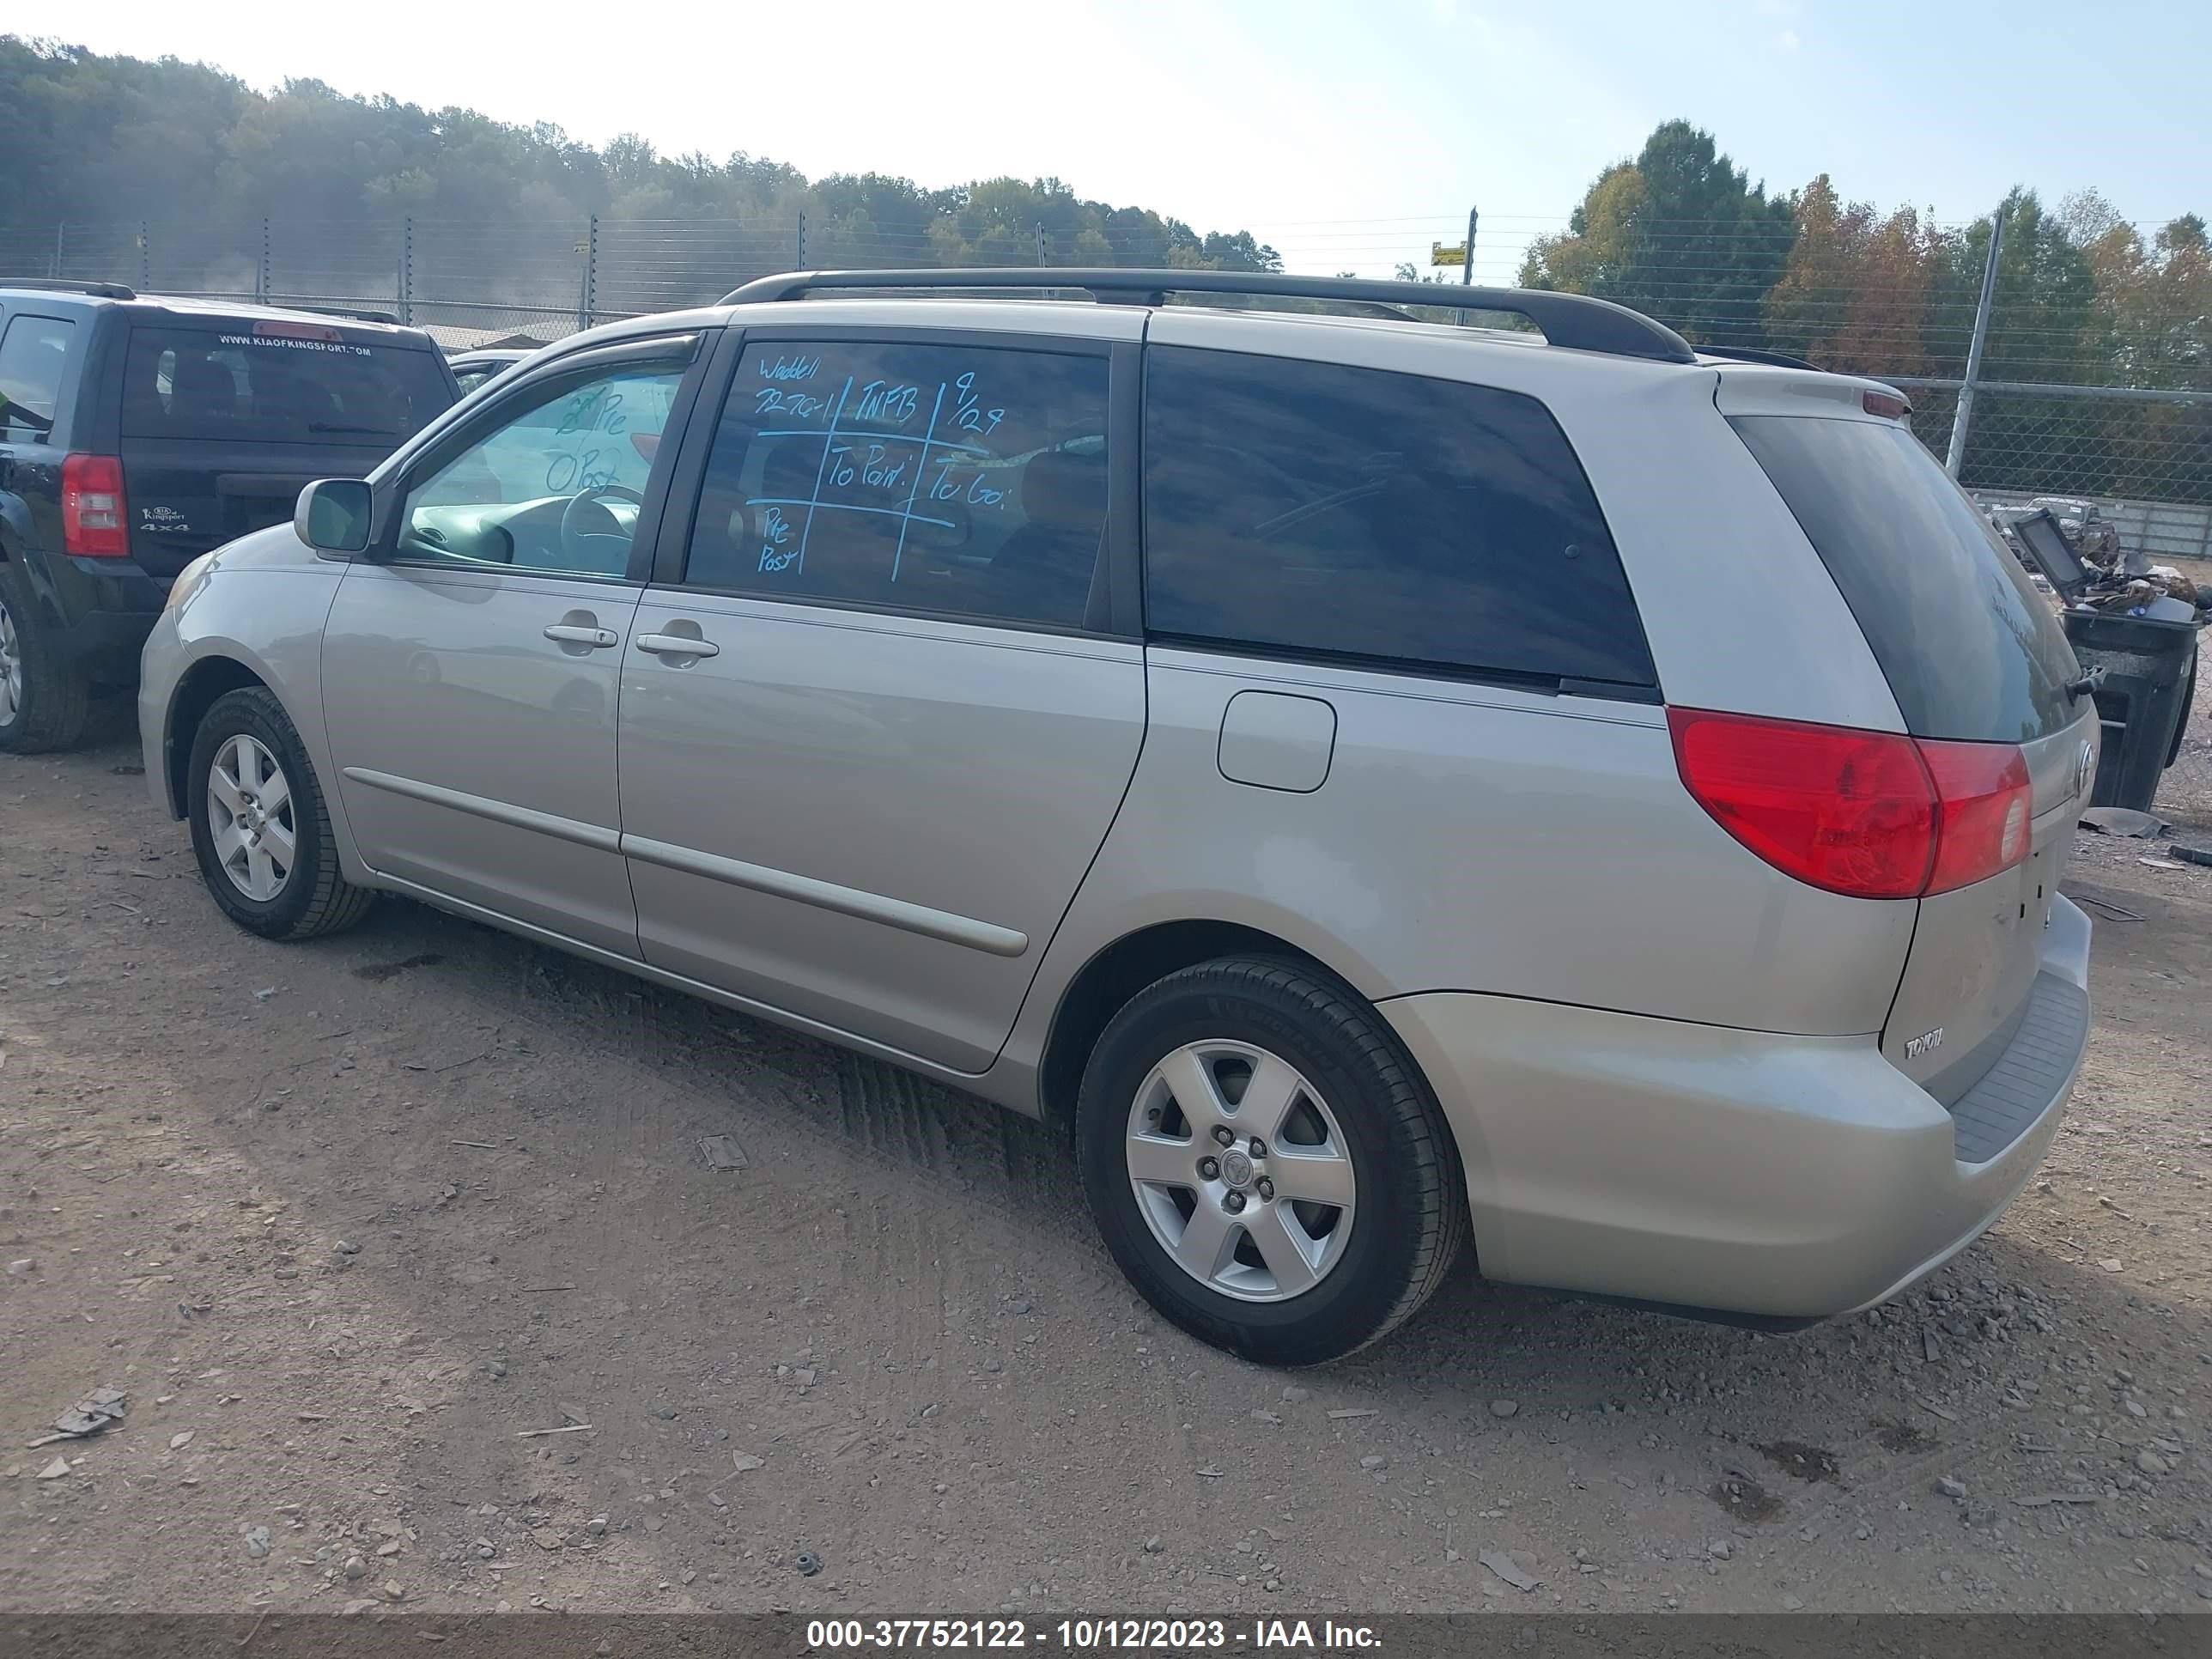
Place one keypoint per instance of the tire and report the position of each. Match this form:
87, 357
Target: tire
1354, 1093
246, 727
43, 699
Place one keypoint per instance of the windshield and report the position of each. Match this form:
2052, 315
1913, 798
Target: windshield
248, 388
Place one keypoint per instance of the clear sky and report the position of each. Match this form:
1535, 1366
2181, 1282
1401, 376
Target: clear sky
1347, 134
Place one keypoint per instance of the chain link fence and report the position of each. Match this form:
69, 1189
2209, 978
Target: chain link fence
471, 283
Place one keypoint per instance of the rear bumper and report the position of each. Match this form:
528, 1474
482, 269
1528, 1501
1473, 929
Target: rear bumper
1790, 1177
99, 610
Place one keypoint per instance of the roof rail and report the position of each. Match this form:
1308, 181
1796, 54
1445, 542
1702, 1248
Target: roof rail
1574, 320
1753, 355
63, 285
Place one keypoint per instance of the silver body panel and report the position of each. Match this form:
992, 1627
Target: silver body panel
1657, 1160
1672, 1073
450, 715
1474, 838
968, 772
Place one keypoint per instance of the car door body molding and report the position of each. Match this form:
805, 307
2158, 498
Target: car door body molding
830, 895
518, 818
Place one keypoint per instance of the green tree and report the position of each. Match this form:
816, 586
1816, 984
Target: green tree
1680, 232
1855, 291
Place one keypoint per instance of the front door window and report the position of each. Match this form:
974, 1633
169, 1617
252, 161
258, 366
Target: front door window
556, 487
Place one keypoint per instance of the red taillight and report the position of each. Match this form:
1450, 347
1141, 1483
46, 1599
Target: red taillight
1851, 811
92, 507
1870, 814
1985, 802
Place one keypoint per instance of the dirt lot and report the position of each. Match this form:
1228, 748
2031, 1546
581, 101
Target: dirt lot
346, 1220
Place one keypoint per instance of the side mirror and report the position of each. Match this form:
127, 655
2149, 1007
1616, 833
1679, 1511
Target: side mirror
332, 515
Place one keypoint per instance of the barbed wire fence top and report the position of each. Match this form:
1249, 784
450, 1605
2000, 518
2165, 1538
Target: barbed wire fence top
2076, 395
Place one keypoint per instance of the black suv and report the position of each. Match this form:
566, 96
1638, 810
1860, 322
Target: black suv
136, 433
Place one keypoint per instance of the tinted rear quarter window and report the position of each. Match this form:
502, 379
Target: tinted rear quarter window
1971, 651
1376, 516
34, 351
227, 383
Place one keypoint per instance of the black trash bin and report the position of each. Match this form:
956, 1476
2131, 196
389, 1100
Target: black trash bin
2143, 702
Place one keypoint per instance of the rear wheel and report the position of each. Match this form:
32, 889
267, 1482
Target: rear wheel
1265, 1163
43, 699
260, 829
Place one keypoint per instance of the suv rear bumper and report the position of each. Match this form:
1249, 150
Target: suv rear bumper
1793, 1177
99, 610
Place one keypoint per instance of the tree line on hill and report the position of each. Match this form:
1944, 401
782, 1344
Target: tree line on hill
96, 137
1678, 230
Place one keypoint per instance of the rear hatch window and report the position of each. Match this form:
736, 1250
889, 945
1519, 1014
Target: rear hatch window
1973, 654
1969, 650
222, 425
306, 385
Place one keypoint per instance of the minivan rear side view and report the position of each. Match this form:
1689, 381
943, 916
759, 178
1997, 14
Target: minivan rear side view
136, 434
1382, 787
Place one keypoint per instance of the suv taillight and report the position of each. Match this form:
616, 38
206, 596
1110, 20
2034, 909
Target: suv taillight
1869, 814
92, 506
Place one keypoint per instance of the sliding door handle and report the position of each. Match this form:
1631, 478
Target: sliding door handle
677, 644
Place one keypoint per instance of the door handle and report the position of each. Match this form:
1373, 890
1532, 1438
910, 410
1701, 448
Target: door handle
578, 634
677, 644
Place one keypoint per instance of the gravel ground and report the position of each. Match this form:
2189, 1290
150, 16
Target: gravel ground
354, 1224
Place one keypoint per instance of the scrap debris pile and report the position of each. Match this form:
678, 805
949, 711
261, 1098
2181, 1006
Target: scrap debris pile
2122, 579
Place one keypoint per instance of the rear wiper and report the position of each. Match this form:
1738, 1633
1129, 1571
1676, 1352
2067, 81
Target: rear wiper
367, 431
2077, 690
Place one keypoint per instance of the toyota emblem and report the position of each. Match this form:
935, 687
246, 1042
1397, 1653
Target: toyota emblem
2084, 767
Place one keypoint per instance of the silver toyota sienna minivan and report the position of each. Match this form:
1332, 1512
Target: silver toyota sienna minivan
1383, 786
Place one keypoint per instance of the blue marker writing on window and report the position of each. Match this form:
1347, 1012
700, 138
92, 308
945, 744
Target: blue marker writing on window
884, 476
894, 405
773, 399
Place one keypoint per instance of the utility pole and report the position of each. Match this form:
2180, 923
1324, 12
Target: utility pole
1964, 417
800, 262
1467, 271
407, 270
587, 297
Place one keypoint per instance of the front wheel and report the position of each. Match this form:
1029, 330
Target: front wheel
260, 829
1265, 1163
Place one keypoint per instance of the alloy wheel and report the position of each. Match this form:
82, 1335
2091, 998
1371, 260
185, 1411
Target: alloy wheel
1240, 1170
251, 814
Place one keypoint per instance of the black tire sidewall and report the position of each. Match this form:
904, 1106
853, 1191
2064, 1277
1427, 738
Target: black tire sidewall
1357, 1296
257, 713
44, 719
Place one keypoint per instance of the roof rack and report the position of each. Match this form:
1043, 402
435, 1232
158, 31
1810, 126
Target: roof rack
63, 285
1574, 320
1753, 355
